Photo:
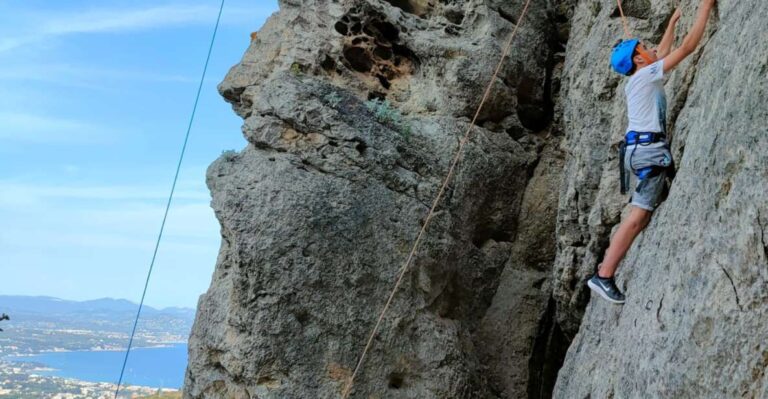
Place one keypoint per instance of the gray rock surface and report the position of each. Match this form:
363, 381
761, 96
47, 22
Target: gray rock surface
352, 111
320, 210
694, 324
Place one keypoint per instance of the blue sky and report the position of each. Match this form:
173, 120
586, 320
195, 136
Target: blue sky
94, 101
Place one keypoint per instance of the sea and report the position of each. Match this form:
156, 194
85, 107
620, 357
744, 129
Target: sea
161, 367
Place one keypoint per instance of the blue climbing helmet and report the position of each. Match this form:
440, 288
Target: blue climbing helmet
621, 58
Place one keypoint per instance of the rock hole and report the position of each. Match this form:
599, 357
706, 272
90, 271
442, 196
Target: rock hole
358, 59
486, 233
404, 5
451, 30
375, 95
333, 143
516, 132
372, 47
361, 147
532, 110
233, 94
396, 380
454, 15
383, 52
368, 30
404, 52
384, 81
302, 316
341, 27
532, 116
328, 64
387, 31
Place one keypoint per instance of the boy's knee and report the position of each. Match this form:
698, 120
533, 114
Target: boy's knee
639, 219
635, 225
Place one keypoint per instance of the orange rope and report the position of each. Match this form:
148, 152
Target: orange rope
624, 21
627, 33
404, 268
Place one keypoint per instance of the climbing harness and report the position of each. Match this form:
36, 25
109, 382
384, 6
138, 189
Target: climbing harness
348, 386
636, 139
170, 198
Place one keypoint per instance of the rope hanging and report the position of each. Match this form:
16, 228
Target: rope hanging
168, 204
627, 33
625, 22
404, 268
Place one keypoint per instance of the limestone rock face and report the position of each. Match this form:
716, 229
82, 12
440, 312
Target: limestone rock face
352, 112
696, 280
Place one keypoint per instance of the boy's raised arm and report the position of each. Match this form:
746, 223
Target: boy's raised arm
669, 36
692, 39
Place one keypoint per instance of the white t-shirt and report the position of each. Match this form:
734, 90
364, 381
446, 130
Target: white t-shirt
646, 100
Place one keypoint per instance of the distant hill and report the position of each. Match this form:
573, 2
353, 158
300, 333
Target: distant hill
105, 314
46, 304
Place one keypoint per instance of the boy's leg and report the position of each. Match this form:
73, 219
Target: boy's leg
646, 197
629, 229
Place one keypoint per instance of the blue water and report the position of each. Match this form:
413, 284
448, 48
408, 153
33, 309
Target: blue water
153, 367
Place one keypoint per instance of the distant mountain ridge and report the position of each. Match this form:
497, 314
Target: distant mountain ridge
105, 314
46, 304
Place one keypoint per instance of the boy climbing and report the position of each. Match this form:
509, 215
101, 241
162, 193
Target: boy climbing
645, 150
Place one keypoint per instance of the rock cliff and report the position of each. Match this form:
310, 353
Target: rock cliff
696, 280
352, 111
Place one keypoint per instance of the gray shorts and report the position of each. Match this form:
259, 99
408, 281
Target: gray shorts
649, 191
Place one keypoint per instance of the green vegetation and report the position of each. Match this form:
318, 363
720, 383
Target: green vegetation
333, 98
229, 155
388, 115
296, 69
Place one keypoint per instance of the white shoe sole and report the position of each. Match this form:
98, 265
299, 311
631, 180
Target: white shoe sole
602, 293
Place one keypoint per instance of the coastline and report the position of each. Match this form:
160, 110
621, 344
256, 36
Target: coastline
25, 379
82, 372
94, 349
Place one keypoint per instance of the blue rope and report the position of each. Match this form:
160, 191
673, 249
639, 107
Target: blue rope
170, 198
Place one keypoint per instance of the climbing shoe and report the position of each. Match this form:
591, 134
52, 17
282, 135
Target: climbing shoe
607, 289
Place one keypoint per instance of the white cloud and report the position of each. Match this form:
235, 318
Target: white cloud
83, 76
71, 169
127, 20
13, 193
107, 21
78, 219
77, 249
26, 127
